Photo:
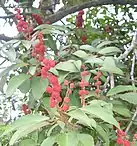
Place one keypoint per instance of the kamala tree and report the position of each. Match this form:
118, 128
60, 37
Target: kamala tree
69, 76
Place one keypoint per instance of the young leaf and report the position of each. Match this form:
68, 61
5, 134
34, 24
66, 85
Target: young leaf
101, 110
85, 139
23, 131
110, 66
48, 141
120, 88
38, 86
80, 54
82, 117
25, 121
103, 134
27, 142
78, 64
108, 50
15, 82
129, 97
67, 139
67, 66
122, 110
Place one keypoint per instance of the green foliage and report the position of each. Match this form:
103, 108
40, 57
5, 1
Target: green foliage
82, 124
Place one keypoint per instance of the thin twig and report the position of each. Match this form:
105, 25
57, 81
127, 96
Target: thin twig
106, 83
128, 50
132, 69
131, 122
112, 82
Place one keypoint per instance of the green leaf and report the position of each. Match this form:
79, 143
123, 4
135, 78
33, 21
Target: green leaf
51, 43
101, 110
93, 60
78, 64
67, 66
27, 142
82, 117
44, 26
54, 71
38, 86
85, 139
11, 54
67, 139
80, 54
23, 131
32, 70
25, 86
120, 88
108, 50
104, 43
110, 66
25, 121
15, 82
88, 48
48, 141
103, 134
27, 44
122, 110
129, 97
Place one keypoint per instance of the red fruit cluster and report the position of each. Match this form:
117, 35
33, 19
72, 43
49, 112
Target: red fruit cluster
70, 87
121, 138
54, 89
82, 85
98, 82
79, 19
37, 18
39, 49
22, 25
47, 65
25, 109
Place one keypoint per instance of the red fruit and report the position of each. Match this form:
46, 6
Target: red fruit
120, 140
19, 29
49, 90
99, 74
81, 12
24, 26
59, 99
86, 92
66, 82
30, 30
126, 143
72, 85
84, 38
48, 22
24, 107
52, 63
98, 83
65, 107
52, 103
83, 66
96, 78
57, 88
18, 17
84, 73
135, 136
67, 99
81, 92
97, 91
121, 133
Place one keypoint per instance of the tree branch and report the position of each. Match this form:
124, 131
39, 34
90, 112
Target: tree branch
63, 12
6, 38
